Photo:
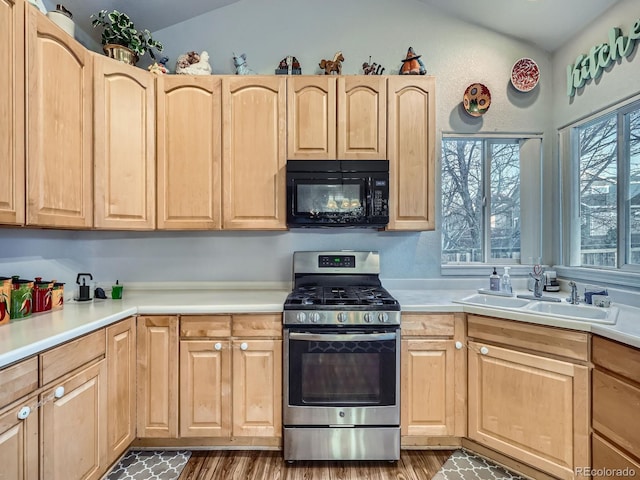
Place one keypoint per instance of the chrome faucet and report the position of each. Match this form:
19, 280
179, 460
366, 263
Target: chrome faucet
537, 286
573, 299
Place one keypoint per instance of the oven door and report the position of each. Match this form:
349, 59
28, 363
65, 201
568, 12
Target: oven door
335, 377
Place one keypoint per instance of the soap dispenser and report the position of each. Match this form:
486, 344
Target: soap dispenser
494, 281
505, 284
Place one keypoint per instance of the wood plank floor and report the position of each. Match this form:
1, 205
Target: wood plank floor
269, 465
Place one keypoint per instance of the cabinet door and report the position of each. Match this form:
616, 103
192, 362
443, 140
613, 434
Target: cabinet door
428, 387
157, 377
19, 443
257, 388
12, 99
311, 117
411, 150
362, 117
59, 127
74, 423
124, 145
532, 408
254, 152
189, 149
121, 387
205, 388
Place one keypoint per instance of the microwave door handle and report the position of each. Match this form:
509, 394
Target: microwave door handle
348, 337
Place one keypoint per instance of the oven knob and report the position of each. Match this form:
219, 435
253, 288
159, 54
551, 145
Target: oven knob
342, 317
383, 317
367, 317
301, 317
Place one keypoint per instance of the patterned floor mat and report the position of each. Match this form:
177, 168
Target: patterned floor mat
150, 465
462, 465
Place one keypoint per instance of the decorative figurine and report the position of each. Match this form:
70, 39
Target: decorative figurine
193, 64
412, 65
335, 65
240, 62
372, 68
158, 69
289, 65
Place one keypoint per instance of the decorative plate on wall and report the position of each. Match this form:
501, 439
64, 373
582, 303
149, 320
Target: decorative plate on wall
525, 75
476, 99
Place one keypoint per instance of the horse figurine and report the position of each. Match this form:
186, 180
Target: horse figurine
334, 65
240, 62
369, 68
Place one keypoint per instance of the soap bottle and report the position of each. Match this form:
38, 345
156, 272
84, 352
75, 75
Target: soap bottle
494, 281
505, 284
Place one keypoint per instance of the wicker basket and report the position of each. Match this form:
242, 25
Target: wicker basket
120, 52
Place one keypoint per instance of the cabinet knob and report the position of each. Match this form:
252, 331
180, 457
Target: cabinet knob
484, 350
459, 345
218, 346
59, 392
24, 413
244, 346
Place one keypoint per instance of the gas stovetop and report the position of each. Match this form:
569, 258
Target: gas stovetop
339, 288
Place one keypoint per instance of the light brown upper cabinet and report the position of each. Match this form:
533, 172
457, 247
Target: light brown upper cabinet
12, 120
411, 149
254, 152
336, 118
124, 146
189, 142
59, 126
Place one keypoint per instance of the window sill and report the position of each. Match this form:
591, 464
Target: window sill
600, 276
484, 269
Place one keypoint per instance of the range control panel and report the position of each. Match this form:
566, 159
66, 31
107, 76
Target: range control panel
337, 261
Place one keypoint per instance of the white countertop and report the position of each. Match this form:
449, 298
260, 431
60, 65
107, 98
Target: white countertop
22, 338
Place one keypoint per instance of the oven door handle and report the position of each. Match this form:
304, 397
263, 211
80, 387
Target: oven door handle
346, 337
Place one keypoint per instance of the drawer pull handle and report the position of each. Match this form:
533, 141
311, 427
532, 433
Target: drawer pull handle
484, 350
459, 345
218, 346
59, 392
24, 413
244, 346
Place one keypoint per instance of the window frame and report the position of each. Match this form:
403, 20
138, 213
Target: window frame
530, 205
568, 137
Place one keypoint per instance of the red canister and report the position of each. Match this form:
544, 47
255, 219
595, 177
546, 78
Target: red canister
42, 295
5, 299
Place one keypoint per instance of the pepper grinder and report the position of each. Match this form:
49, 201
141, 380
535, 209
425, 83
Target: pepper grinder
84, 290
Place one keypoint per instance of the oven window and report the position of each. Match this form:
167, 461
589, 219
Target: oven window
339, 198
342, 373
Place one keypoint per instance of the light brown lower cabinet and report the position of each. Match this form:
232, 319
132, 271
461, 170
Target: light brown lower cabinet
19, 441
73, 425
433, 376
121, 387
524, 403
157, 377
615, 384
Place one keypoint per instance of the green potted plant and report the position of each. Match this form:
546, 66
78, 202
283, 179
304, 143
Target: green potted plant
121, 40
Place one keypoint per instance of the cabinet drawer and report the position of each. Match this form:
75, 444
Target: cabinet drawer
605, 456
257, 325
205, 326
550, 340
66, 358
621, 359
615, 411
430, 325
18, 380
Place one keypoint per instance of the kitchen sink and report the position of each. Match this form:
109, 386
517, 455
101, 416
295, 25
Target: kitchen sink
494, 301
575, 312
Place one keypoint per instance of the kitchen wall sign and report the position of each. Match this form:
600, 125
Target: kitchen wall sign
591, 65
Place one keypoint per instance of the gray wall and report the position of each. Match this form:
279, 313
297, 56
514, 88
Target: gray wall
455, 52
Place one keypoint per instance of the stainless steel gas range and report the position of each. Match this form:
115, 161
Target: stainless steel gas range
341, 396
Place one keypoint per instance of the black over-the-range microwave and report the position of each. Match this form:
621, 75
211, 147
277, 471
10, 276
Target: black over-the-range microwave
338, 193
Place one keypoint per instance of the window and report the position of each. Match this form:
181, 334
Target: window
484, 198
606, 157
